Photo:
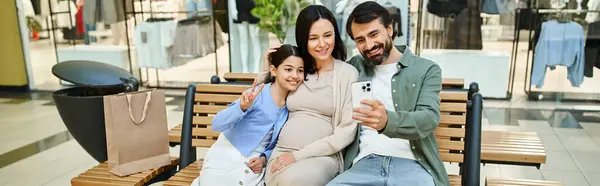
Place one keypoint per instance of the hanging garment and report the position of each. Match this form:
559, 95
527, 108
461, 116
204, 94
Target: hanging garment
79, 18
107, 11
36, 6
28, 9
45, 7
152, 43
592, 49
593, 16
395, 12
243, 8
92, 12
446, 8
497, 6
559, 44
464, 30
68, 19
198, 8
195, 38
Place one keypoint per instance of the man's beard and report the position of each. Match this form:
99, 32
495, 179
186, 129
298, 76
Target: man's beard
379, 58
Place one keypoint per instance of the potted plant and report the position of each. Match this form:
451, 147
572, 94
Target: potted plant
277, 16
34, 26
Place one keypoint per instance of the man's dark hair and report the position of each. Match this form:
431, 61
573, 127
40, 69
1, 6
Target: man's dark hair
367, 12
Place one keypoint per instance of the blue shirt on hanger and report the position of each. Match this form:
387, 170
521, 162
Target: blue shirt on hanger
559, 44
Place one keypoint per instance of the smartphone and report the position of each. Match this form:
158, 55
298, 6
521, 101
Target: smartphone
361, 91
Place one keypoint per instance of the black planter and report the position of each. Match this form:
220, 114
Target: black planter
82, 111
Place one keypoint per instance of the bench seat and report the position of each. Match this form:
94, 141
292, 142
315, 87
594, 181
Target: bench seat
517, 182
99, 175
519, 148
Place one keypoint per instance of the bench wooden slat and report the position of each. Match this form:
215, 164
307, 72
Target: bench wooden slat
451, 157
195, 142
208, 132
506, 156
208, 109
455, 180
453, 107
96, 182
453, 119
246, 77
453, 82
451, 145
215, 98
453, 96
516, 182
506, 145
450, 132
202, 120
220, 88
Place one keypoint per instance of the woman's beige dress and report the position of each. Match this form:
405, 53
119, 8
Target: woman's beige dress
311, 108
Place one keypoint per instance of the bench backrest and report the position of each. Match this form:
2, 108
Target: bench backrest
450, 132
212, 98
249, 77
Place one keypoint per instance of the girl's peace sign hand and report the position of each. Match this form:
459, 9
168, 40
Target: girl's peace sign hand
247, 98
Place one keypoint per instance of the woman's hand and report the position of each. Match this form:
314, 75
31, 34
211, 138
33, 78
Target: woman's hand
266, 56
283, 161
248, 98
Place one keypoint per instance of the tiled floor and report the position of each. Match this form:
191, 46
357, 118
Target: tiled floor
35, 148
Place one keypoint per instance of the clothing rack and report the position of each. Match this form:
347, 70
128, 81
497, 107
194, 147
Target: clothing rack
152, 13
53, 28
544, 95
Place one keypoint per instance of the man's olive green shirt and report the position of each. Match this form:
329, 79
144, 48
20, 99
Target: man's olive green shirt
416, 97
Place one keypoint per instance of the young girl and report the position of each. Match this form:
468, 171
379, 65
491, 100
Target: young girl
250, 125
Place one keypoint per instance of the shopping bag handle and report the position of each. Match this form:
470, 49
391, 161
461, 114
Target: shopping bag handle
148, 98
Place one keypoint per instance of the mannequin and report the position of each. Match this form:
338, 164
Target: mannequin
252, 40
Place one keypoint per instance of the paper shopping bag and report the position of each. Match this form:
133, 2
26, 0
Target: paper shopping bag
136, 132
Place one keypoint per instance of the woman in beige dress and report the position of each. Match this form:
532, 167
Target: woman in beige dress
320, 123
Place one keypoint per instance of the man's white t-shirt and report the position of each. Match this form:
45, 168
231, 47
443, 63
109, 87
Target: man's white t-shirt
371, 142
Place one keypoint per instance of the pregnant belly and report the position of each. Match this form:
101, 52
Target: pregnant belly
302, 129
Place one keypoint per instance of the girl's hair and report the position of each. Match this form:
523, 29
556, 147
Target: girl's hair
277, 57
304, 22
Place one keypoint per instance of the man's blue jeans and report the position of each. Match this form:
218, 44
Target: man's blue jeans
384, 170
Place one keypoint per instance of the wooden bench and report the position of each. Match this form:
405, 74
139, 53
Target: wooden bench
203, 100
99, 175
516, 182
497, 147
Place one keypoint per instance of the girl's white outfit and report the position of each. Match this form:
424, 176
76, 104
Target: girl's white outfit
225, 165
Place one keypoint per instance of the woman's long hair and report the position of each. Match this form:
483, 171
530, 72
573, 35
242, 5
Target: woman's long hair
306, 18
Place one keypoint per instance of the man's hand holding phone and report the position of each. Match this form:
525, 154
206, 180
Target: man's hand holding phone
376, 117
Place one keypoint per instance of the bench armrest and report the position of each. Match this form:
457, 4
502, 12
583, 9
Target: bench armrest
472, 153
187, 153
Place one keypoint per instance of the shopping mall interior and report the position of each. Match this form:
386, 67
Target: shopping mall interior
537, 72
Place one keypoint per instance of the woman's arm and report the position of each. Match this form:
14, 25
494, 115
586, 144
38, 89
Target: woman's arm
343, 133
